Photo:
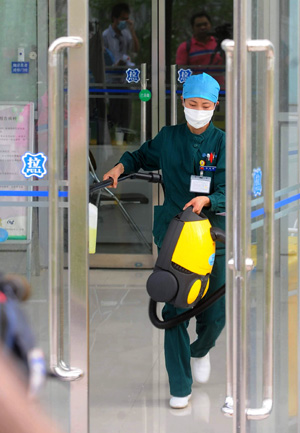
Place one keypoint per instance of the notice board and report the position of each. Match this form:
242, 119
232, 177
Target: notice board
16, 138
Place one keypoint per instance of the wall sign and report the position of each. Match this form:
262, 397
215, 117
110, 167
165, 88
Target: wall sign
20, 67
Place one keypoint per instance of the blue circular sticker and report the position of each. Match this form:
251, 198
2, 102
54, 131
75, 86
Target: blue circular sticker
211, 260
3, 235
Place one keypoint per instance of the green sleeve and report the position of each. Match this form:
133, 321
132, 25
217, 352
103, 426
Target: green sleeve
146, 157
217, 198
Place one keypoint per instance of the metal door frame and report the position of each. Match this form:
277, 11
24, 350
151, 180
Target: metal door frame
237, 211
77, 37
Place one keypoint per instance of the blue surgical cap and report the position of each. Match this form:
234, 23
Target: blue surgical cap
201, 86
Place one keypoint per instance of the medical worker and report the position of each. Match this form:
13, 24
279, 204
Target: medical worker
192, 159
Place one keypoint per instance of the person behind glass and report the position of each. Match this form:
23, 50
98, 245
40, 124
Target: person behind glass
179, 151
120, 40
120, 37
202, 47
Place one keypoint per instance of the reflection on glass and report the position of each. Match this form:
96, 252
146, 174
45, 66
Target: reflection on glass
120, 41
193, 42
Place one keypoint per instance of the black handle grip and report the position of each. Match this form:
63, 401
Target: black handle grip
150, 177
99, 185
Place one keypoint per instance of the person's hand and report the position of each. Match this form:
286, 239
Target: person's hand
114, 174
198, 203
121, 62
130, 25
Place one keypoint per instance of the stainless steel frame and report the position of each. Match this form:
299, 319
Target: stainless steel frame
161, 44
143, 103
228, 47
78, 135
173, 95
154, 71
237, 224
78, 212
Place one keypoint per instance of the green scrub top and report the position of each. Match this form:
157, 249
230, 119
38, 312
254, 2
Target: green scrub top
178, 152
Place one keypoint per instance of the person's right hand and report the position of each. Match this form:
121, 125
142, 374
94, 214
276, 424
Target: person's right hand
114, 174
130, 25
121, 62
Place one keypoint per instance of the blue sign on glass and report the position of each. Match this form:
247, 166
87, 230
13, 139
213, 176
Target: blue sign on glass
34, 164
183, 74
257, 184
20, 67
133, 75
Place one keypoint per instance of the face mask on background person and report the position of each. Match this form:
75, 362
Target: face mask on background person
122, 25
198, 118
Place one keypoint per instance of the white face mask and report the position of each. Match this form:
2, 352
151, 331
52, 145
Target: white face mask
198, 118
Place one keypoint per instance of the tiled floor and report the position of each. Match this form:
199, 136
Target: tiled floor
129, 390
129, 387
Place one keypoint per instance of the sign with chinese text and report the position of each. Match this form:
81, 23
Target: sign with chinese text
183, 74
16, 138
145, 95
34, 165
20, 67
133, 75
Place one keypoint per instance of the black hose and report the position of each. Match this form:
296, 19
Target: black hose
199, 308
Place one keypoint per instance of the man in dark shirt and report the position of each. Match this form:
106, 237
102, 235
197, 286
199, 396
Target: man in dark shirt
201, 49
119, 41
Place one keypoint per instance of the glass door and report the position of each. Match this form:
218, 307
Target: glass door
120, 90
262, 217
123, 64
44, 187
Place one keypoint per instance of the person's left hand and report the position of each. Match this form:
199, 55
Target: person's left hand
198, 203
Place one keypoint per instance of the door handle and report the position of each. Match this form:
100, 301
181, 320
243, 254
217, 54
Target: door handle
264, 411
228, 47
57, 365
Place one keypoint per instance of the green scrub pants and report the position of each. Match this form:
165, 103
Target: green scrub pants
178, 350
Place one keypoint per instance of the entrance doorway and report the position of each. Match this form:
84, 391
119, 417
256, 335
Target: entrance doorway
124, 238
120, 121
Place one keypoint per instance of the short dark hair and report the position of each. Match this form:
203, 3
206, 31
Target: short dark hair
200, 15
118, 9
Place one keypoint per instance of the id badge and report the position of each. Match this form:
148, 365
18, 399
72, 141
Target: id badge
200, 184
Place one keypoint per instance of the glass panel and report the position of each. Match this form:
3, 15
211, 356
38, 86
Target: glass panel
28, 28
277, 21
194, 34
116, 58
